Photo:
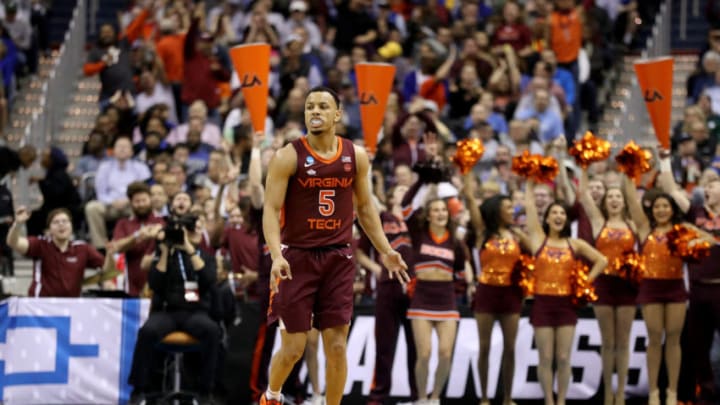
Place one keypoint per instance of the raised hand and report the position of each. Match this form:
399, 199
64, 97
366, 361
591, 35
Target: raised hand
22, 215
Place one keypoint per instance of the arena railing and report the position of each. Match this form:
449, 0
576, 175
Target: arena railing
57, 90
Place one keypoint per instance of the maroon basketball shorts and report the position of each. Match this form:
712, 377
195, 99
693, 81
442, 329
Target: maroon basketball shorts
320, 293
661, 291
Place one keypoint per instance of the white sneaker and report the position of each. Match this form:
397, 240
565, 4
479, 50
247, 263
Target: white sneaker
433, 402
315, 400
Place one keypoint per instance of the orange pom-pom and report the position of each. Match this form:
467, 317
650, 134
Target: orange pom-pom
536, 167
547, 170
630, 266
524, 276
469, 151
524, 164
583, 292
590, 149
683, 242
633, 160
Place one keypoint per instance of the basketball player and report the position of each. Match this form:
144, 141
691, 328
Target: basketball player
312, 184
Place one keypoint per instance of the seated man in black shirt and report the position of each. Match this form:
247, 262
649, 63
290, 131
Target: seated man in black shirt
182, 279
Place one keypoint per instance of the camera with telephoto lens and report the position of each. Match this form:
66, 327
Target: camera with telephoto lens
174, 229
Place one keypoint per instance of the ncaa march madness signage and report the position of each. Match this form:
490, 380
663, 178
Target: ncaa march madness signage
67, 351
463, 382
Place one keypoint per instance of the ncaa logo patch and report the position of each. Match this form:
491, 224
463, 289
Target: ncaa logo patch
309, 161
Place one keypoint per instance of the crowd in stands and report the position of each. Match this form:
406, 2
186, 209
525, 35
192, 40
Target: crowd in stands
174, 134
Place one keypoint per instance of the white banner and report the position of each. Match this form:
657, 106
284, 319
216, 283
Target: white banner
63, 351
585, 359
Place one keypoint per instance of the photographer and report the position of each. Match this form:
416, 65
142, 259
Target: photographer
182, 279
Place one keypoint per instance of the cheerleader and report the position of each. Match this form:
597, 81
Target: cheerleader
496, 297
613, 235
437, 257
662, 292
553, 313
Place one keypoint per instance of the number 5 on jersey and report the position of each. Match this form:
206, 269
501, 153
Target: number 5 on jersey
326, 205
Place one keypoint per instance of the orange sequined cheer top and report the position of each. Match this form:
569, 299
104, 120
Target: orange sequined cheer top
612, 243
497, 260
659, 264
554, 267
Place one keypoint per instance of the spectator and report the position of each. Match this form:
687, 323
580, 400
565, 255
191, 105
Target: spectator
299, 18
27, 176
57, 189
198, 151
351, 108
626, 26
388, 21
151, 148
548, 123
39, 22
21, 33
111, 58
180, 172
473, 53
485, 133
153, 92
135, 236
428, 81
230, 10
169, 49
518, 139
93, 155
210, 131
512, 31
113, 177
464, 93
557, 76
293, 109
295, 64
183, 285
152, 121
8, 64
483, 112
203, 72
713, 120
528, 99
158, 200
686, 165
362, 31
704, 77
261, 29
565, 34
60, 261
158, 171
504, 83
407, 146
699, 132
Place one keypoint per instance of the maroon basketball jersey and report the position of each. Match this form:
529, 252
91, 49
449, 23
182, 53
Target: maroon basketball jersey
318, 209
